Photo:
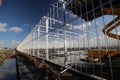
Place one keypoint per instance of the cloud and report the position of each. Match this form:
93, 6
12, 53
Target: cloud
2, 42
28, 25
82, 26
9, 44
118, 33
15, 29
14, 42
3, 27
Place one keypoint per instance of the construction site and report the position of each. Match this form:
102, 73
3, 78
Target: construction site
75, 40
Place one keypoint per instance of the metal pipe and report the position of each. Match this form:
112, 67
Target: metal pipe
65, 39
47, 24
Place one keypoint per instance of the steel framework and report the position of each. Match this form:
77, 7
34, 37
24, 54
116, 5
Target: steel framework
82, 35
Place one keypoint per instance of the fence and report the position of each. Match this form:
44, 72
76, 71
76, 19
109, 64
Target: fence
82, 35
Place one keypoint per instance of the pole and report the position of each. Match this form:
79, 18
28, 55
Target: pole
33, 43
38, 41
47, 24
65, 40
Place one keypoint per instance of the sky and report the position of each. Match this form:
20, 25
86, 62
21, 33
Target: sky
18, 17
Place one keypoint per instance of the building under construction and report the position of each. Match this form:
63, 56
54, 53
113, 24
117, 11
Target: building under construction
80, 35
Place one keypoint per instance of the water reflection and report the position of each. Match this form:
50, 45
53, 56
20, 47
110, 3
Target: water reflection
8, 70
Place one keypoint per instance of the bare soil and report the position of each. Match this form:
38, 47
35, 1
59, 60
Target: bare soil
41, 70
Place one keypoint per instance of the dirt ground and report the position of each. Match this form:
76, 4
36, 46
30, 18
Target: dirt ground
42, 71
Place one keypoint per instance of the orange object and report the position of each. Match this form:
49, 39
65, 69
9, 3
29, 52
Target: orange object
102, 53
112, 25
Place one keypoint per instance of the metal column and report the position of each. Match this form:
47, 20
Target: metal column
47, 24
38, 41
65, 41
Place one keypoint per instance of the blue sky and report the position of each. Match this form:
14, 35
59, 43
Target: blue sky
18, 17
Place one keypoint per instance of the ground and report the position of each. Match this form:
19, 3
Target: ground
5, 53
32, 68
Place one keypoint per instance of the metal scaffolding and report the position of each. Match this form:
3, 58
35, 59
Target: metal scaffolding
82, 35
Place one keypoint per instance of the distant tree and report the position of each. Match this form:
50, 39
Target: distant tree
6, 47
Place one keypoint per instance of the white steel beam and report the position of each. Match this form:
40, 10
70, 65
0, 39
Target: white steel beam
47, 25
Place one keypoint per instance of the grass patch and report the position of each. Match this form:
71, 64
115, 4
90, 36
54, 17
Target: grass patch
4, 54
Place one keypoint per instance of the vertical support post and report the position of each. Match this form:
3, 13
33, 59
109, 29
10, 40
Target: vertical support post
65, 41
29, 47
47, 24
30, 44
58, 41
33, 44
38, 41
